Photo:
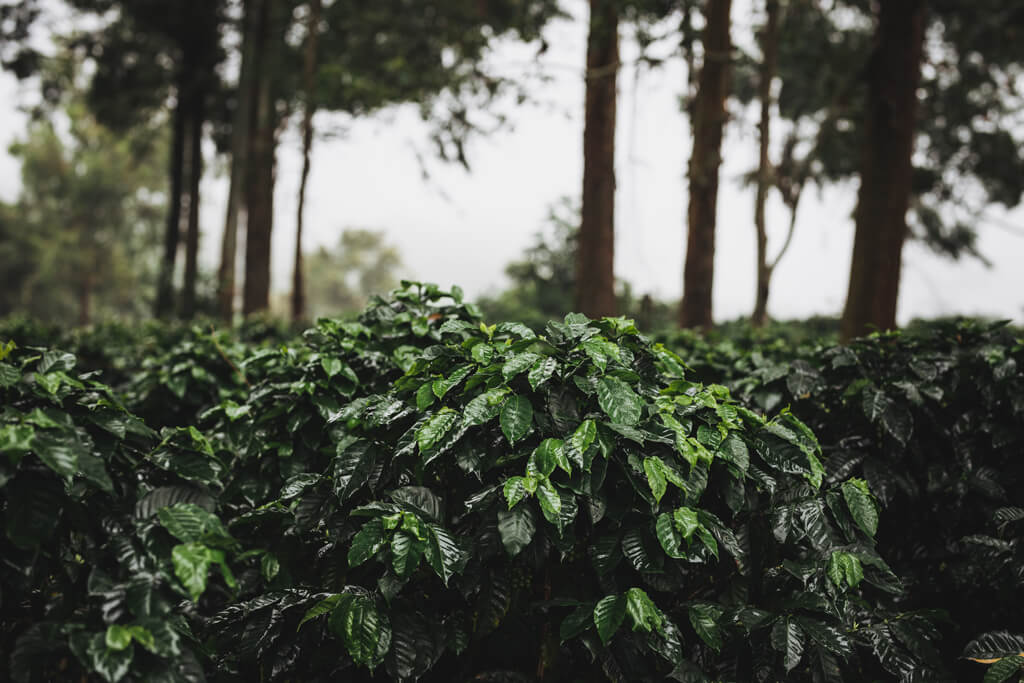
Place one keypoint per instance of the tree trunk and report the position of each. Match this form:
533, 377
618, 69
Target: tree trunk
885, 176
195, 169
309, 85
260, 176
239, 154
769, 47
172, 232
595, 273
709, 118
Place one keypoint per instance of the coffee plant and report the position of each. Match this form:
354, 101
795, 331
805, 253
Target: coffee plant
86, 582
934, 421
418, 495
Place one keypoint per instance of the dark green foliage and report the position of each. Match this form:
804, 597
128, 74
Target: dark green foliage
933, 420
87, 582
448, 499
417, 494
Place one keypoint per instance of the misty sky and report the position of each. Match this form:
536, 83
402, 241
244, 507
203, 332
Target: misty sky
463, 227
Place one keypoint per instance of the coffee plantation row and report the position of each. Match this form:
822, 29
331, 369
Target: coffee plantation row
419, 495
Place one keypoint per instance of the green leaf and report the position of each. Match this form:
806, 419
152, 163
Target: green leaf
516, 528
843, 566
899, 422
118, 637
550, 502
233, 411
484, 407
608, 615
788, 639
443, 553
331, 365
862, 505
444, 385
583, 437
9, 375
541, 372
634, 548
55, 360
111, 665
325, 606
994, 645
514, 490
366, 543
515, 329
192, 565
733, 449
518, 363
669, 537
16, 441
708, 540
549, 455
435, 428
60, 451
1004, 669
874, 403
420, 326
406, 552
269, 567
803, 379
704, 619
645, 615
363, 628
600, 351
482, 353
827, 637
425, 396
619, 401
516, 418
189, 523
686, 521
654, 468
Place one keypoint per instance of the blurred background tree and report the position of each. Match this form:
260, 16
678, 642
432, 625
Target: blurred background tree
81, 241
342, 279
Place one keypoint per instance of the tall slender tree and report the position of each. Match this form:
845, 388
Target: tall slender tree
240, 120
262, 155
886, 170
595, 278
308, 109
765, 173
164, 303
195, 174
709, 118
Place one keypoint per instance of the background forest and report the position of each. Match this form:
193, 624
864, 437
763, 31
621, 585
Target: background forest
801, 83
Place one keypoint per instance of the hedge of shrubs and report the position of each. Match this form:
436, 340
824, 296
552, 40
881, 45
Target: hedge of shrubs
419, 495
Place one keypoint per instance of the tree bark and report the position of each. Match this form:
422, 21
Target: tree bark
260, 172
709, 118
239, 155
172, 233
595, 265
195, 170
886, 169
309, 85
769, 49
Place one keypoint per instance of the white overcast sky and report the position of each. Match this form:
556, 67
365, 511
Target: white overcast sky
464, 227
